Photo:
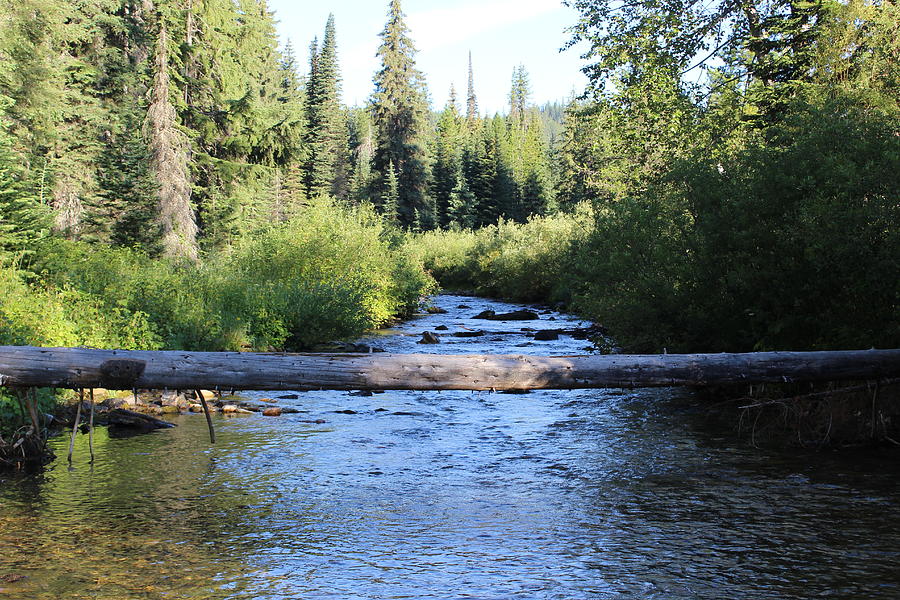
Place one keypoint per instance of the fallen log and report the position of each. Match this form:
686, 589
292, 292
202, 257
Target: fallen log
123, 369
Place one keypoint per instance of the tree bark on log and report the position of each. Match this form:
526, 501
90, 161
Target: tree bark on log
123, 369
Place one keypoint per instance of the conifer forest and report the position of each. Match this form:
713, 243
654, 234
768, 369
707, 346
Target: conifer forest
639, 339
172, 176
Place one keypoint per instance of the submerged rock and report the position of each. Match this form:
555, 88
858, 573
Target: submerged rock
545, 335
516, 315
429, 338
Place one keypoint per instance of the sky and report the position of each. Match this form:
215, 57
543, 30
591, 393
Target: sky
501, 34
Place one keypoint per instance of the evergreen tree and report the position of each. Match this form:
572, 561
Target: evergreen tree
244, 130
471, 101
326, 134
22, 218
462, 206
399, 112
519, 94
534, 184
129, 194
169, 161
292, 192
447, 158
390, 199
362, 149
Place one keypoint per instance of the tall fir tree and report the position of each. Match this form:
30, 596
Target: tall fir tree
326, 133
399, 110
447, 158
519, 93
169, 160
390, 199
361, 144
471, 100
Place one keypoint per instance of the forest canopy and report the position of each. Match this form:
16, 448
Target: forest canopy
728, 180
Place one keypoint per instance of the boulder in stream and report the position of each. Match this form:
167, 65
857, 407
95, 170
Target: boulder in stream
130, 422
516, 315
429, 338
545, 335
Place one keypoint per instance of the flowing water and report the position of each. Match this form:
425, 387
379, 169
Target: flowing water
552, 494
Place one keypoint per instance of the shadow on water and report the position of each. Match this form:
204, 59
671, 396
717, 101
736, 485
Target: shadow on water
551, 494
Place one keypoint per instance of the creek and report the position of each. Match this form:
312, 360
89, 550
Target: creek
547, 495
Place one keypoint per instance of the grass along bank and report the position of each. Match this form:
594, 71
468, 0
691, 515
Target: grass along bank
332, 272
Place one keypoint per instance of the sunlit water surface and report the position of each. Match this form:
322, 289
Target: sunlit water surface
553, 494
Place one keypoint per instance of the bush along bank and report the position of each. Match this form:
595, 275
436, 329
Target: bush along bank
330, 273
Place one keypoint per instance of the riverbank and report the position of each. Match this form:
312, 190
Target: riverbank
332, 272
550, 494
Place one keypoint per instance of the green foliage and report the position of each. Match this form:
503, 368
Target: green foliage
23, 220
775, 244
521, 261
399, 112
325, 274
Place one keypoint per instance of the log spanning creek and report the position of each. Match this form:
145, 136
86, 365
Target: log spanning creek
563, 494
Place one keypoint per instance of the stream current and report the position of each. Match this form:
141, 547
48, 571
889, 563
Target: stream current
551, 494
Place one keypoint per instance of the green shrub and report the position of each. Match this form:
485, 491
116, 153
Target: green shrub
329, 273
521, 261
326, 274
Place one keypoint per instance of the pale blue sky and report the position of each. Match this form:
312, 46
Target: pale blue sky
500, 33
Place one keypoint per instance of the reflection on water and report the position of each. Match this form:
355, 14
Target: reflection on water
556, 494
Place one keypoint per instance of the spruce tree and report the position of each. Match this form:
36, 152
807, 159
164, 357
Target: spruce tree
447, 158
471, 101
462, 206
399, 110
23, 219
519, 94
390, 199
362, 149
169, 160
326, 134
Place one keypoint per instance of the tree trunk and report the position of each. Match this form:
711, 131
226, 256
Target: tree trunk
120, 369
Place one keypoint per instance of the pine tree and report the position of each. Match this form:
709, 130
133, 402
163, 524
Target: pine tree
447, 158
390, 199
245, 130
519, 94
471, 101
169, 161
399, 112
326, 134
22, 218
362, 149
292, 192
462, 206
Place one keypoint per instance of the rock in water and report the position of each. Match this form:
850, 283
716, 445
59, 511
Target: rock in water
545, 335
121, 418
429, 338
272, 411
516, 315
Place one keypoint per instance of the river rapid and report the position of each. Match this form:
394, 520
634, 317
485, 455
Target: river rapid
551, 494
